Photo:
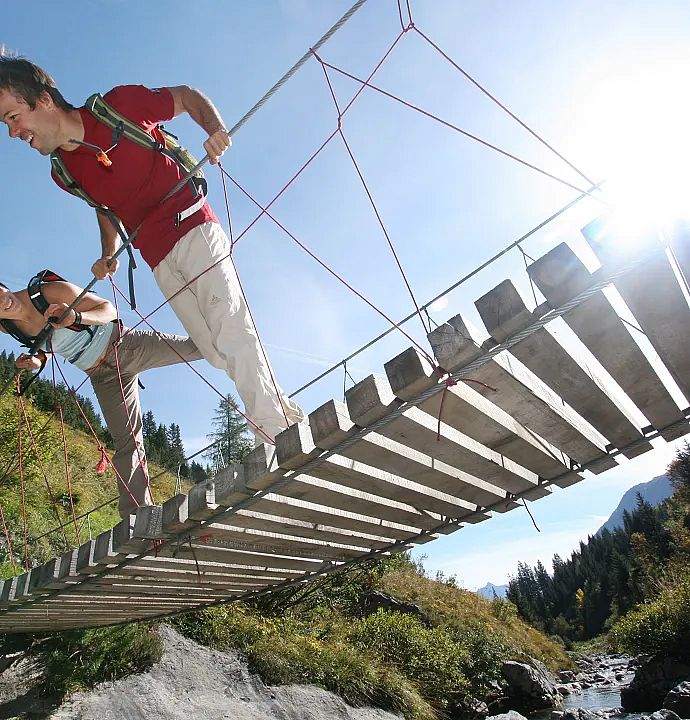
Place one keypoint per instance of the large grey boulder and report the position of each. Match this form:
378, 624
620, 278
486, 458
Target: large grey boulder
678, 700
653, 680
530, 687
373, 600
580, 714
478, 709
661, 715
510, 715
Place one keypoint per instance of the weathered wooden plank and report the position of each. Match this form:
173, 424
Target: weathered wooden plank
560, 275
394, 458
505, 313
372, 399
311, 512
529, 401
652, 293
226, 553
299, 528
463, 408
331, 425
279, 542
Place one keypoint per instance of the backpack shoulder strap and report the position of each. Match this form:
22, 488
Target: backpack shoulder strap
124, 127
119, 124
35, 291
69, 183
11, 329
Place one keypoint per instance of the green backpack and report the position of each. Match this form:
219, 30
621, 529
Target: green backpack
123, 127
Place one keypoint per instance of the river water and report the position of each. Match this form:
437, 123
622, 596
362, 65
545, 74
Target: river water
598, 698
605, 697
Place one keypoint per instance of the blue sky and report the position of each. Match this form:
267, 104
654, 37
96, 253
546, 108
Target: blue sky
584, 75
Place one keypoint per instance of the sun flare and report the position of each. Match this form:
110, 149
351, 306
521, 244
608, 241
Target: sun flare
638, 128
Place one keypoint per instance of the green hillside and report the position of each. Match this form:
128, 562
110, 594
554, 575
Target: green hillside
45, 476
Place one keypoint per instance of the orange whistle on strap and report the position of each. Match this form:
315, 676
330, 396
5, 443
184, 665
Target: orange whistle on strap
103, 159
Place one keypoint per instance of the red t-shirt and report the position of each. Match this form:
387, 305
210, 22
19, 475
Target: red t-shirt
133, 186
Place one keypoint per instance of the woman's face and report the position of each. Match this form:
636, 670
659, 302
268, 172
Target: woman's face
10, 307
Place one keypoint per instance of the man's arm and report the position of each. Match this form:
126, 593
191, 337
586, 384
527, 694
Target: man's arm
110, 241
206, 116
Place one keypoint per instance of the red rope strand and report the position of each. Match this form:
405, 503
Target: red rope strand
21, 485
469, 135
331, 271
8, 540
68, 477
34, 444
141, 457
503, 107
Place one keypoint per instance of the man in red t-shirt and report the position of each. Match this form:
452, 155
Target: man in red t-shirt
131, 184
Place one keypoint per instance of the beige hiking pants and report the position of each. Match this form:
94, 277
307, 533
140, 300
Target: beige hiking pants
215, 315
139, 350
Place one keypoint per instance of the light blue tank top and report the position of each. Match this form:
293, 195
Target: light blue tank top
81, 348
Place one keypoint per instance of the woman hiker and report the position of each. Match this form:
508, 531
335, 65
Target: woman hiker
86, 337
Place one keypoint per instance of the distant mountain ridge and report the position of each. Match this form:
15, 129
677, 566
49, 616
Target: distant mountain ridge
489, 589
654, 491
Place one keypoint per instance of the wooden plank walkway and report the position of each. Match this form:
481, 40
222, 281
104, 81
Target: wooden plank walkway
406, 458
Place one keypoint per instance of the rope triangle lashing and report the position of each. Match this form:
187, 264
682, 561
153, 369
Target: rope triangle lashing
8, 540
21, 483
34, 443
265, 211
364, 183
428, 317
495, 100
410, 23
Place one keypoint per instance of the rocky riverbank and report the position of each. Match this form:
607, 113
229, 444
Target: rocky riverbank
659, 686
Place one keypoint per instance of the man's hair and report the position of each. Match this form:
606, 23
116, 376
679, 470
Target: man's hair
28, 81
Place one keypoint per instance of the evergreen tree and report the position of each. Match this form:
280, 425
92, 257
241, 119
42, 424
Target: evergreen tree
197, 473
176, 457
230, 437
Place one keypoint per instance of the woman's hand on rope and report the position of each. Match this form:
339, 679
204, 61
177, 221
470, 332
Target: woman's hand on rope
56, 310
216, 145
101, 269
28, 362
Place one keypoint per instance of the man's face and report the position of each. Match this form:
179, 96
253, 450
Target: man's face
38, 127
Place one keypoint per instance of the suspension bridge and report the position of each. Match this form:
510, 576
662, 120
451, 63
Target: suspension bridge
495, 419
407, 458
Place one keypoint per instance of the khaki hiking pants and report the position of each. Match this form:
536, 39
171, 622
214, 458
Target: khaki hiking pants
215, 315
139, 350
